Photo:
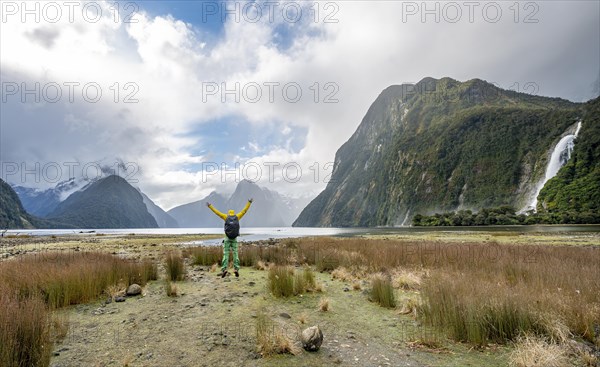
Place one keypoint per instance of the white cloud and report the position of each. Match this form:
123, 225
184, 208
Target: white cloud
169, 62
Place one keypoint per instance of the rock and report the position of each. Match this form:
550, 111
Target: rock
120, 299
134, 290
346, 289
285, 315
312, 338
251, 283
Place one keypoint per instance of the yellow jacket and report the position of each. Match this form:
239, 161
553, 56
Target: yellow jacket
231, 212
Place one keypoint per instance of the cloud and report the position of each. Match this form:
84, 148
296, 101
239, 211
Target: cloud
169, 69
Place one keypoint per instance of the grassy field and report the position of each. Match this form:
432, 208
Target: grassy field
491, 299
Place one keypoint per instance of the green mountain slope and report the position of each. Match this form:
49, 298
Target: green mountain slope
437, 146
12, 214
576, 187
108, 203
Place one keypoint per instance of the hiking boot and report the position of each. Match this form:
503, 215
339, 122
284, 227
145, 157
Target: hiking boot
223, 273
237, 274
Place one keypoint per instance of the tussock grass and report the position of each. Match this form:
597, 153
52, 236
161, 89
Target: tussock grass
536, 352
24, 331
407, 280
324, 304
309, 279
479, 292
204, 255
170, 288
284, 281
174, 266
382, 292
63, 279
271, 339
281, 281
33, 285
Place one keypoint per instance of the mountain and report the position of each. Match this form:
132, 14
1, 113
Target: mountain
43, 202
110, 202
163, 219
14, 216
12, 213
576, 187
270, 209
441, 145
197, 215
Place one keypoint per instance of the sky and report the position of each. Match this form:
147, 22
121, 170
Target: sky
186, 97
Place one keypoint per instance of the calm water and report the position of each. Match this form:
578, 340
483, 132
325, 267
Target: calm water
254, 234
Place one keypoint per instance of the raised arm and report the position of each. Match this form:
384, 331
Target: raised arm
218, 213
241, 214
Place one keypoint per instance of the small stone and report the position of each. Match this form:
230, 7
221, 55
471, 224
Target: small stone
134, 290
285, 315
346, 289
251, 283
120, 299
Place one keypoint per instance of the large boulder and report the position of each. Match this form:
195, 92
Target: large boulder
134, 290
312, 338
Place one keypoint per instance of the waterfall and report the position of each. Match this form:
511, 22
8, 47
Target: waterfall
560, 155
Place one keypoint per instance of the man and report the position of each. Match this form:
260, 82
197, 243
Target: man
232, 230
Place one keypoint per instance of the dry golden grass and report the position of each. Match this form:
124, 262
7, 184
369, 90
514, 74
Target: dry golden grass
170, 288
63, 279
407, 280
303, 318
535, 352
271, 339
32, 285
409, 306
480, 292
589, 360
24, 331
324, 305
341, 273
214, 267
175, 266
261, 265
356, 286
